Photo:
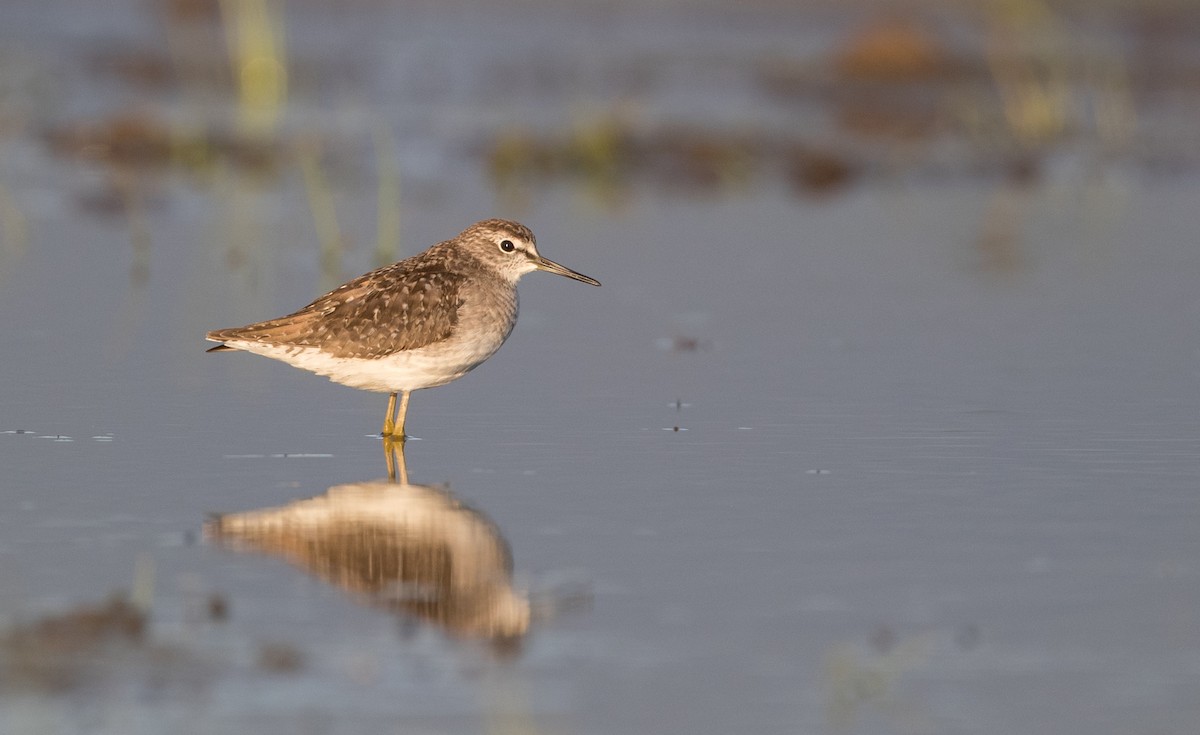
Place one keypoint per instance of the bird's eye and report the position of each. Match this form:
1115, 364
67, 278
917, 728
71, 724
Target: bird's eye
507, 246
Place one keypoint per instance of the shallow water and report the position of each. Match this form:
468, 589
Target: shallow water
800, 465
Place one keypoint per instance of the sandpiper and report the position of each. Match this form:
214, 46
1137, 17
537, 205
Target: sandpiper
418, 323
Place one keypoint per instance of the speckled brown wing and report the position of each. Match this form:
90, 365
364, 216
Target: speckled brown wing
399, 307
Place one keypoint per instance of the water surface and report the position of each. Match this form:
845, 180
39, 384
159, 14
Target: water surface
829, 464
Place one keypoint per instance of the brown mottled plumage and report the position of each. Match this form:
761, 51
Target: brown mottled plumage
354, 320
418, 323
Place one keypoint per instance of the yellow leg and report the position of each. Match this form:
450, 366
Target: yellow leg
389, 424
394, 427
398, 429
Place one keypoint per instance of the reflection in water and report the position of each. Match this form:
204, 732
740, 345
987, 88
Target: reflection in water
411, 549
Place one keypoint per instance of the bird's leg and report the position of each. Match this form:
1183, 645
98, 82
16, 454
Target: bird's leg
398, 428
389, 424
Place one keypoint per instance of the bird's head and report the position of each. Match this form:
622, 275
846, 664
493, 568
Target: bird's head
510, 249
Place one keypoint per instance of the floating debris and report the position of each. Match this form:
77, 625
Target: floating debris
192, 11
893, 50
813, 171
968, 637
883, 640
681, 344
611, 152
141, 140
280, 658
143, 68
54, 653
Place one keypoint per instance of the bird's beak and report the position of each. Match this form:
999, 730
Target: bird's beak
545, 264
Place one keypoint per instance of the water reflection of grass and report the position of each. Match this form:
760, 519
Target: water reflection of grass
897, 97
1051, 85
227, 75
610, 154
387, 223
324, 213
254, 31
141, 139
859, 681
14, 229
321, 202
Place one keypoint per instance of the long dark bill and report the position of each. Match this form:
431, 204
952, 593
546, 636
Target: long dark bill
545, 264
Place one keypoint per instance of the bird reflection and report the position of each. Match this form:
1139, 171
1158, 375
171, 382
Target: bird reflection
411, 549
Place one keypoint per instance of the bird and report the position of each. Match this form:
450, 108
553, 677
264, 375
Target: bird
417, 323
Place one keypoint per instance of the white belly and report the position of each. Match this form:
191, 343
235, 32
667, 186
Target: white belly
426, 367
484, 322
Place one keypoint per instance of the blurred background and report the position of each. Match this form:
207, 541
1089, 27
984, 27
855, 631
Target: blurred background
885, 419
